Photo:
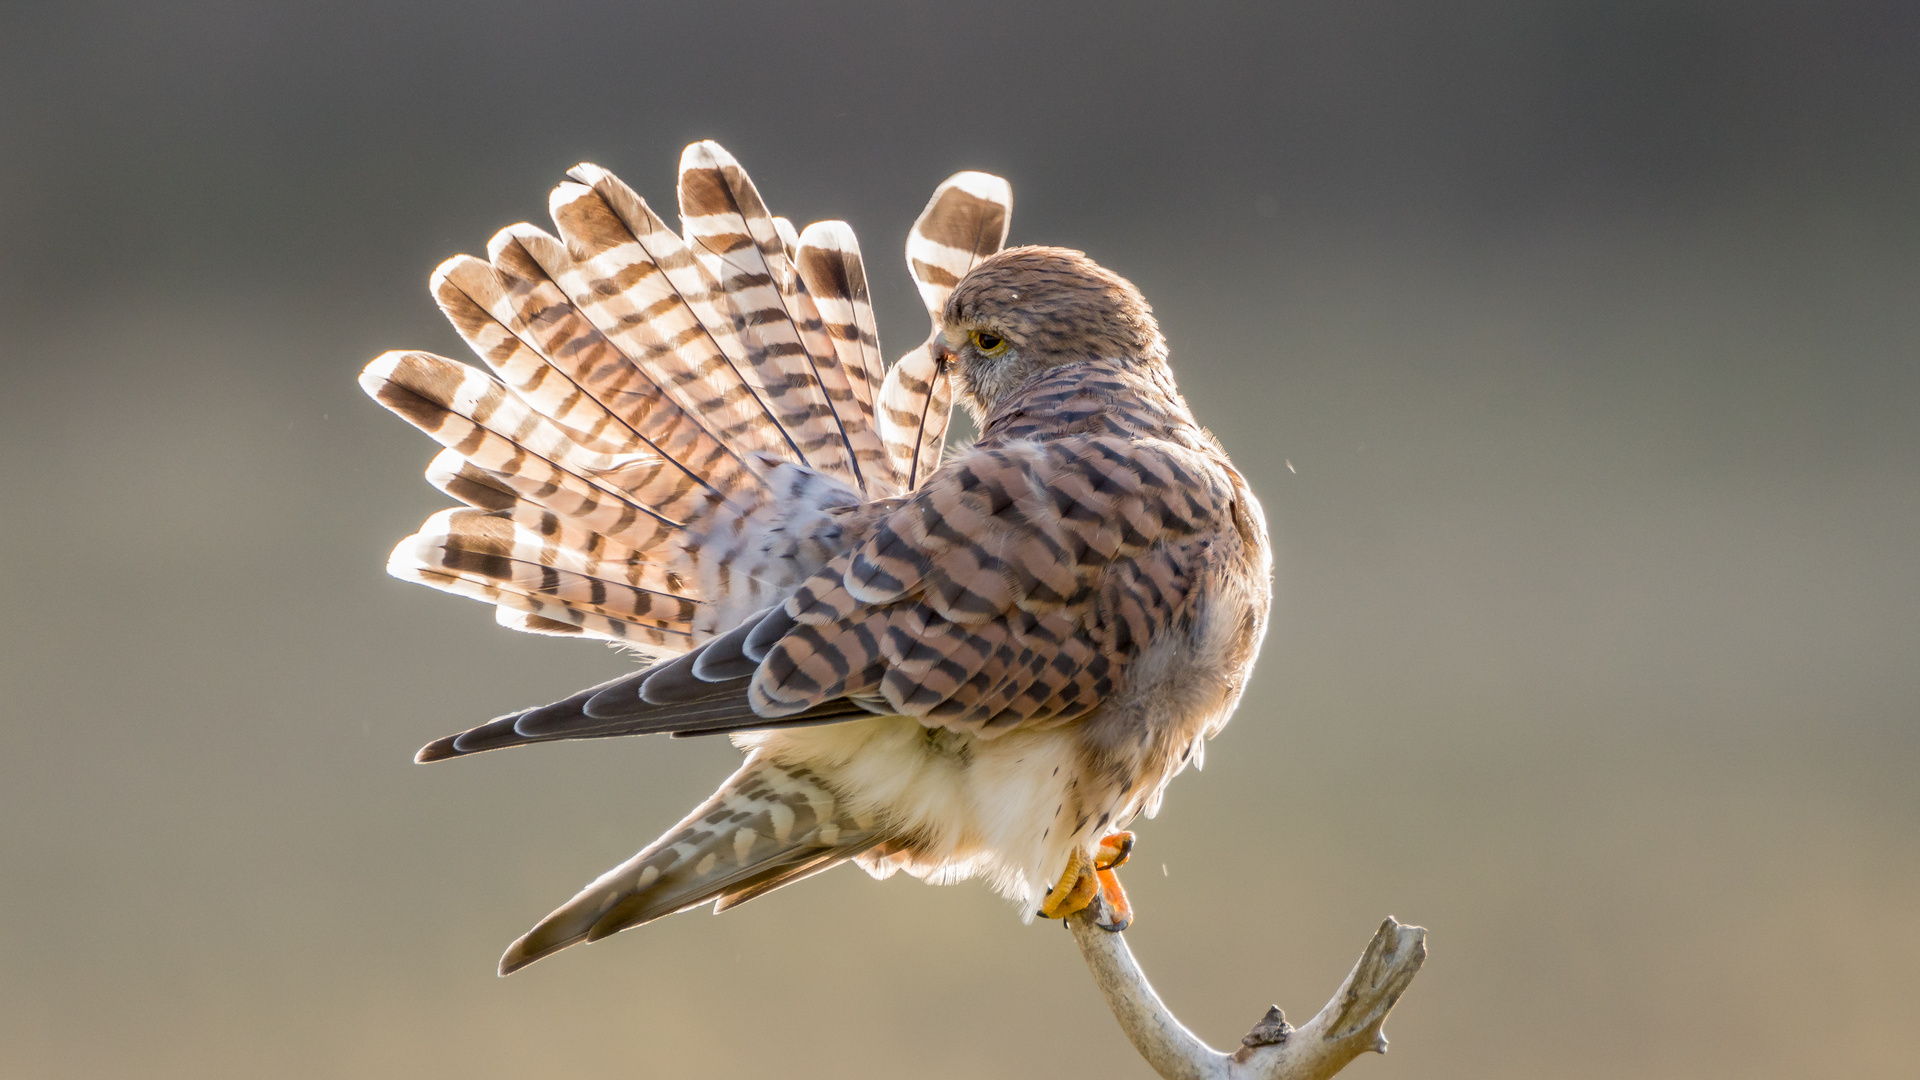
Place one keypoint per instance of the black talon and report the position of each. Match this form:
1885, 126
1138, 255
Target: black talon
1103, 916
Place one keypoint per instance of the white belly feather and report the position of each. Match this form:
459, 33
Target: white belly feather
993, 808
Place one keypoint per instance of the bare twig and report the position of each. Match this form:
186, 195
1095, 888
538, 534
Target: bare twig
1348, 1026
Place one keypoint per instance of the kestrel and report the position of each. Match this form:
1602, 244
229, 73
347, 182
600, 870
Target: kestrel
983, 666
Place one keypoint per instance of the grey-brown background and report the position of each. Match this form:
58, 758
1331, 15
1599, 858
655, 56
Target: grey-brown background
1589, 331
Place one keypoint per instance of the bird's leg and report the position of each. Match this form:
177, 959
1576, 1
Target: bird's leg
1088, 876
1079, 883
1116, 914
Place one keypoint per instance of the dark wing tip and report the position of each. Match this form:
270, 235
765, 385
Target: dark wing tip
437, 750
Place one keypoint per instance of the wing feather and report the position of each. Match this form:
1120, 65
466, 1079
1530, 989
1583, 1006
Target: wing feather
994, 599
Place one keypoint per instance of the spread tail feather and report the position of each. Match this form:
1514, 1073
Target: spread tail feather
671, 424
964, 222
768, 825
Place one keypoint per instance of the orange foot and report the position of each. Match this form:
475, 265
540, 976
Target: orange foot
1087, 878
1116, 913
1079, 883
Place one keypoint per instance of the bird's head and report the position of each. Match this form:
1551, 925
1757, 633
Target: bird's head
1028, 309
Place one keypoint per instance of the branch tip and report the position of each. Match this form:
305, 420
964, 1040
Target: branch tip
1347, 1027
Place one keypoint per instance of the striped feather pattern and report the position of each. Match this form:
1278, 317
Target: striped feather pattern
830, 277
1015, 587
768, 825
916, 404
493, 557
733, 236
653, 300
528, 623
830, 265
964, 222
480, 419
524, 326
649, 391
853, 417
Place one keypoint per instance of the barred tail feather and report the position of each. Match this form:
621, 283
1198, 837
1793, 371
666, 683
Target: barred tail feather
777, 338
480, 419
466, 482
415, 561
830, 273
475, 300
768, 825
916, 404
521, 322
627, 293
675, 423
528, 623
964, 222
534, 552
790, 244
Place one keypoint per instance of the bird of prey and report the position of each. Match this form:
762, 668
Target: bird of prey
689, 444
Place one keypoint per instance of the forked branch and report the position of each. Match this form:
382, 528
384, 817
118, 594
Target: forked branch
1348, 1026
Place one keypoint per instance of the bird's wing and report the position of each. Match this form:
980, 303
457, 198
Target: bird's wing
1014, 590
717, 710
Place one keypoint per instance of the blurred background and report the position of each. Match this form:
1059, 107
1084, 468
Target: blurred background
1572, 347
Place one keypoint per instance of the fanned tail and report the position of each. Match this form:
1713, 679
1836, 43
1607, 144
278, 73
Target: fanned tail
675, 434
767, 826
672, 426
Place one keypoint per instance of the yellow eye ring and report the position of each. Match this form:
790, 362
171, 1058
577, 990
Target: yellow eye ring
988, 342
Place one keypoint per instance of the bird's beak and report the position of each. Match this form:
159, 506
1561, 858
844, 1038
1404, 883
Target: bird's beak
942, 355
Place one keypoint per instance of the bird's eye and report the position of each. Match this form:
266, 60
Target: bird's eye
989, 342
